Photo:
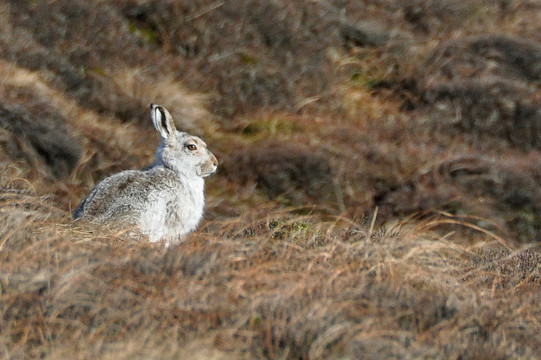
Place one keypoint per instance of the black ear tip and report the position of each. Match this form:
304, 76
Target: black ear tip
154, 107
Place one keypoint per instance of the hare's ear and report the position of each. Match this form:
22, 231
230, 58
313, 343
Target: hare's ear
162, 120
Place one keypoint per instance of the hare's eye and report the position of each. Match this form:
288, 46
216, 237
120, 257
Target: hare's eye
191, 147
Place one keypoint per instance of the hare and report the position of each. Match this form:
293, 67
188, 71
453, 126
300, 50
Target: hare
165, 200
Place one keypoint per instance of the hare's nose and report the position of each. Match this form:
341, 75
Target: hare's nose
214, 161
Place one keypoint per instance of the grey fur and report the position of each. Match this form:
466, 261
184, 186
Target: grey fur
165, 200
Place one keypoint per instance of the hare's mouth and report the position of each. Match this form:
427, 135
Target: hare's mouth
206, 171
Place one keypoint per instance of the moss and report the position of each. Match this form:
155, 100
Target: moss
364, 80
148, 36
286, 230
526, 225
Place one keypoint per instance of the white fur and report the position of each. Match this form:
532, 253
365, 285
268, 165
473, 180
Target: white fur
165, 201
153, 222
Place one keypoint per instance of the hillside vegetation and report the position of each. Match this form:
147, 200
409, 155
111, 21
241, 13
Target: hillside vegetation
378, 193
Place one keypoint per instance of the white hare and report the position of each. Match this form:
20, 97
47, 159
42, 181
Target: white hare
166, 200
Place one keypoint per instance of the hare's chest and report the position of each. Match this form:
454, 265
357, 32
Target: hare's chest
183, 213
173, 213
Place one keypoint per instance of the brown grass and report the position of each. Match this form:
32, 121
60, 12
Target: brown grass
377, 195
267, 284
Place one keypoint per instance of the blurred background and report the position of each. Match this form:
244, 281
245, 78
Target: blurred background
338, 107
378, 194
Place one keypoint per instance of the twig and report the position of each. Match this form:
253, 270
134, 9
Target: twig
373, 223
205, 12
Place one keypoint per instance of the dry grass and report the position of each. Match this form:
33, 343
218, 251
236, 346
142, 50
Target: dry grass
373, 201
270, 284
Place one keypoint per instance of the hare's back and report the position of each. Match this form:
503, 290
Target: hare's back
123, 193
